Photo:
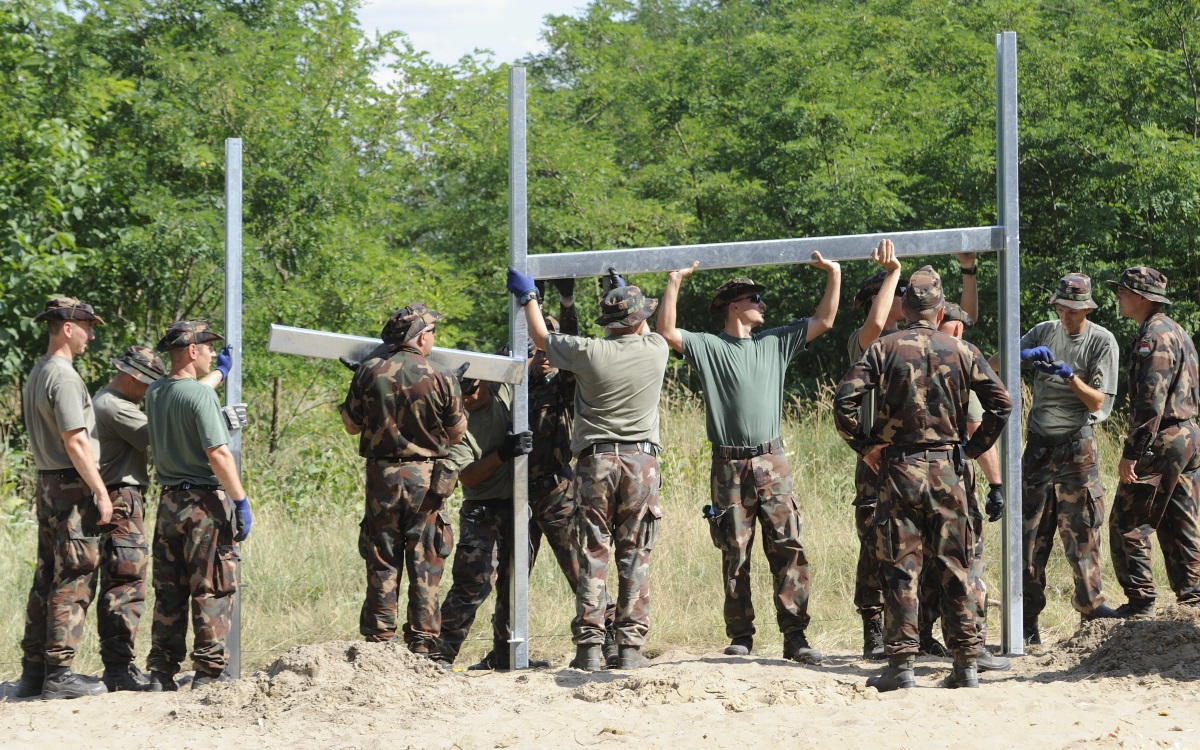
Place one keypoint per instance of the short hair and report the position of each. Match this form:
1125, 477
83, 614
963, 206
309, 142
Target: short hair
929, 316
54, 327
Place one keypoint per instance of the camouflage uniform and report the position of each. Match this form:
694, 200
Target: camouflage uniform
922, 378
1165, 441
484, 554
409, 413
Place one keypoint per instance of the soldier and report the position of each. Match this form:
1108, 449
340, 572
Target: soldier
407, 413
71, 506
1160, 462
922, 378
1074, 386
615, 436
742, 375
202, 512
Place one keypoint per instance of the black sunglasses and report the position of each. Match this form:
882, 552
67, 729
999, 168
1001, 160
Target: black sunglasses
755, 298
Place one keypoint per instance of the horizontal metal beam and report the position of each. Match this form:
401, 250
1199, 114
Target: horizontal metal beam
763, 252
306, 342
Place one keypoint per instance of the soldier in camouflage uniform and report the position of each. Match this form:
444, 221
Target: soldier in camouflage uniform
407, 413
1160, 462
742, 374
1075, 383
921, 378
615, 436
202, 513
72, 506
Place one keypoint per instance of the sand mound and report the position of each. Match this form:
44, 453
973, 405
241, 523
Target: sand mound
1168, 645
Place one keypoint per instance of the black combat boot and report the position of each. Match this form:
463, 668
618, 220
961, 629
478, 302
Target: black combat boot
33, 674
740, 646
61, 682
632, 658
1137, 609
897, 675
160, 682
1102, 612
588, 658
612, 654
873, 638
964, 675
796, 648
930, 646
127, 677
1033, 636
201, 679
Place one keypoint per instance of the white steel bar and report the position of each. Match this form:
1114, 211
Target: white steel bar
518, 644
764, 252
1008, 217
233, 339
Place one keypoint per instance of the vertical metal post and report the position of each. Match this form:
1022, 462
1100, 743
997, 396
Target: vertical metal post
518, 644
1008, 216
233, 338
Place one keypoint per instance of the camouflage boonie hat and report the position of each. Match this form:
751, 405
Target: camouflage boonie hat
1146, 281
408, 322
625, 307
140, 363
924, 290
67, 308
870, 286
552, 324
952, 311
1074, 291
739, 286
185, 333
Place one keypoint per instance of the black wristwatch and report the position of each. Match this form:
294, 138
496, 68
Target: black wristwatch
969, 271
525, 298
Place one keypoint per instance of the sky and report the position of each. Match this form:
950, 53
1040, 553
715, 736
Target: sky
449, 29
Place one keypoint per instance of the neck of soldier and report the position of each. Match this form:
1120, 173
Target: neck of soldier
125, 385
739, 326
184, 366
60, 346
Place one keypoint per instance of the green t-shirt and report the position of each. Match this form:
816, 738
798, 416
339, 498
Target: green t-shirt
617, 384
55, 401
185, 420
486, 427
743, 380
124, 439
1093, 355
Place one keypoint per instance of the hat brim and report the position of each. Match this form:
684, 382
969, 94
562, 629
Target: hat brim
632, 318
720, 301
1148, 295
136, 373
47, 315
201, 338
1074, 304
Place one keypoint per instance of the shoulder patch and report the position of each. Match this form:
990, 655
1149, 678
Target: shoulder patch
1144, 348
1097, 380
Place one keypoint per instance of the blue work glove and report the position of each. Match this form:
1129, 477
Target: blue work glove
1037, 354
523, 287
994, 507
1061, 369
224, 362
241, 519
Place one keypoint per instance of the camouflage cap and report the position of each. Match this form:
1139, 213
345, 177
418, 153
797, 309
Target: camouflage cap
67, 308
870, 286
736, 287
953, 312
140, 363
185, 333
408, 322
1146, 281
625, 307
924, 290
1074, 291
552, 324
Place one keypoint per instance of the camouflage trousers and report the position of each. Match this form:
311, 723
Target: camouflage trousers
758, 489
124, 559
1164, 500
929, 587
617, 505
926, 523
64, 575
404, 527
868, 573
484, 554
1061, 491
196, 568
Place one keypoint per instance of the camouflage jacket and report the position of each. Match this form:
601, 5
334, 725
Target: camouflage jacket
404, 405
551, 411
922, 379
1162, 381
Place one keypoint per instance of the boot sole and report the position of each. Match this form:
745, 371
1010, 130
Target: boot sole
873, 682
737, 651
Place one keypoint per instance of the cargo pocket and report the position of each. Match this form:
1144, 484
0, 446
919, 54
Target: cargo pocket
364, 541
443, 540
648, 530
76, 554
224, 579
128, 557
1093, 508
716, 528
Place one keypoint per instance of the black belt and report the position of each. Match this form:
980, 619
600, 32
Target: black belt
189, 486
916, 451
646, 447
58, 472
1043, 441
123, 485
741, 451
548, 481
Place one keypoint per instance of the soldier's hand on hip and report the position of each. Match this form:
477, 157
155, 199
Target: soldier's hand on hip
995, 503
516, 444
1127, 470
241, 519
104, 508
873, 458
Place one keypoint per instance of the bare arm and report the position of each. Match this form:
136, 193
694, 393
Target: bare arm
78, 445
989, 460
212, 380
822, 320
666, 308
1092, 399
877, 317
223, 465
970, 295
478, 471
537, 325
348, 424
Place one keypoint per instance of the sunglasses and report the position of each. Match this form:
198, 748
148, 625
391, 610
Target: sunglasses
755, 298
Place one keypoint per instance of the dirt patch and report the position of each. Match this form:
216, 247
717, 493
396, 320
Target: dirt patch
1168, 645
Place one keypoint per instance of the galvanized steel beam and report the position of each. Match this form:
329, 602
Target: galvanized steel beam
233, 338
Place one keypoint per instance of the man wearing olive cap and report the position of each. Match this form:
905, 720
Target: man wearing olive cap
742, 374
407, 413
72, 505
1160, 461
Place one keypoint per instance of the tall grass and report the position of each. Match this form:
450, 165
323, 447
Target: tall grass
304, 579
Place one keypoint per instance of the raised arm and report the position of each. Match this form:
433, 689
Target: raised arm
970, 296
822, 320
666, 308
877, 317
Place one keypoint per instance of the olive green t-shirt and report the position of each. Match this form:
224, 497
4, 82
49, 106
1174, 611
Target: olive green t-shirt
742, 380
617, 384
486, 428
1092, 355
55, 401
124, 439
185, 420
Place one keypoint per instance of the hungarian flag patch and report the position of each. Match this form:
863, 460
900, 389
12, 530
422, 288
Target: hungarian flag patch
1144, 349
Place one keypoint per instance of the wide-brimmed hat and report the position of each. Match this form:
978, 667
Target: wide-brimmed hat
185, 333
68, 308
141, 363
1146, 281
625, 307
737, 287
924, 290
952, 311
1074, 291
870, 286
408, 322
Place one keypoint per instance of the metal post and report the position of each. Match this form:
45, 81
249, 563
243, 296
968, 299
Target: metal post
233, 338
518, 644
1008, 216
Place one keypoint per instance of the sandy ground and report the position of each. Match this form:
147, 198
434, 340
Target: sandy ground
1114, 684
